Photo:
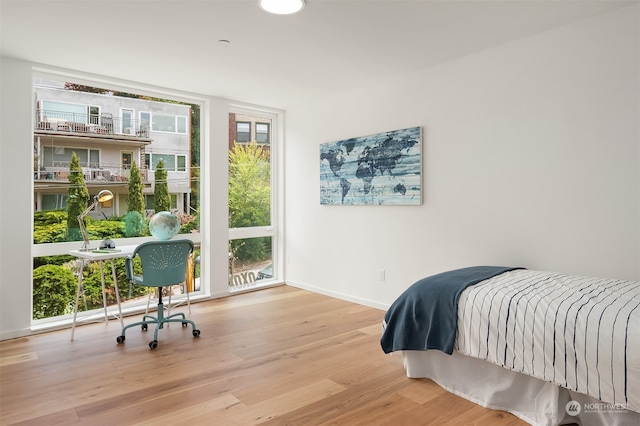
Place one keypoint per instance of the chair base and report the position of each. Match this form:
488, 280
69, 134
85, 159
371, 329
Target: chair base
160, 320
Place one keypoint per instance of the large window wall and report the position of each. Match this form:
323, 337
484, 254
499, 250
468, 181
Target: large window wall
55, 273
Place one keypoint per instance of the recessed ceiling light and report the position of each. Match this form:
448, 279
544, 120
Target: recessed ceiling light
282, 7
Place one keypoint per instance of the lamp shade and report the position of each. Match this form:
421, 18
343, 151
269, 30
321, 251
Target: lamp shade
104, 195
282, 7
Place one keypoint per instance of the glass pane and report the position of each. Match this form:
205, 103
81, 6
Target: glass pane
163, 123
262, 133
64, 111
250, 262
249, 181
182, 124
169, 161
182, 163
57, 205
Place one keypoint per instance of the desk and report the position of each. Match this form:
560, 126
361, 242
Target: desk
100, 257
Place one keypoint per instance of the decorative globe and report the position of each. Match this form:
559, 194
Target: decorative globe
164, 225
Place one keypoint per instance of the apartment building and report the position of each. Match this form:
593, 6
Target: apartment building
108, 133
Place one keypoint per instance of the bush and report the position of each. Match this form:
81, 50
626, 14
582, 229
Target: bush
53, 291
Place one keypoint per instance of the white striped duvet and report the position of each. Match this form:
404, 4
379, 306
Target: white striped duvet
581, 333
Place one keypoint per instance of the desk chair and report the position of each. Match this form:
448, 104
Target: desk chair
164, 263
186, 287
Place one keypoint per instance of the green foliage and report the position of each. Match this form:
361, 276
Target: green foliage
136, 197
101, 229
53, 291
52, 260
50, 227
50, 217
195, 157
78, 199
135, 224
161, 196
249, 197
193, 224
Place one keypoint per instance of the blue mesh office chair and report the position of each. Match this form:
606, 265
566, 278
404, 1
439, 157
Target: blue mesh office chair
164, 263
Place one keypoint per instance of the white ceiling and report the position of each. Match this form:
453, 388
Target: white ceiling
278, 61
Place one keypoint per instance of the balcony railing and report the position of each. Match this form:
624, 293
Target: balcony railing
103, 124
92, 173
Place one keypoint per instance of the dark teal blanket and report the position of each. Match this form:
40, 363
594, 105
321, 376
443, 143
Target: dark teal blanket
425, 316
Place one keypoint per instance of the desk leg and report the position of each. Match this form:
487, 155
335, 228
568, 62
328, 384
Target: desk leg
75, 311
104, 293
115, 285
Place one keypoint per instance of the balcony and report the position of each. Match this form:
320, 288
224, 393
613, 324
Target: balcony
93, 174
56, 122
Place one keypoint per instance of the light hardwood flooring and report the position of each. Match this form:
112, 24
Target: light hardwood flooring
279, 356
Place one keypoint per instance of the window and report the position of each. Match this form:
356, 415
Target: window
169, 123
251, 220
182, 124
149, 201
63, 111
172, 162
94, 114
54, 202
145, 118
106, 165
243, 131
262, 132
127, 121
59, 156
152, 161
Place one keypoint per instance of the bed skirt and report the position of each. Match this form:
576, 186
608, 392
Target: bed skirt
535, 401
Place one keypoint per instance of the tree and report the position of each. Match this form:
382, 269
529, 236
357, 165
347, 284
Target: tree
161, 196
136, 197
249, 197
78, 197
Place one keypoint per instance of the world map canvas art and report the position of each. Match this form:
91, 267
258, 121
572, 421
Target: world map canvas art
380, 169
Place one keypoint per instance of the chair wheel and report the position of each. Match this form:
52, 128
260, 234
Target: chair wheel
144, 327
184, 324
153, 344
120, 339
196, 333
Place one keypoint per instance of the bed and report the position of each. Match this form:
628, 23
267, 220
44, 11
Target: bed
549, 347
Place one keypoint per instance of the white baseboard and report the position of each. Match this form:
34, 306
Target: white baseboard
337, 295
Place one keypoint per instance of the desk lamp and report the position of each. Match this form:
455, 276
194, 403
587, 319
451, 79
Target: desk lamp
104, 195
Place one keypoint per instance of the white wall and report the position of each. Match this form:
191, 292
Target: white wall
531, 158
16, 195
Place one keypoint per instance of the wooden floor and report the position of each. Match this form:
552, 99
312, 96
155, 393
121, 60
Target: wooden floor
279, 356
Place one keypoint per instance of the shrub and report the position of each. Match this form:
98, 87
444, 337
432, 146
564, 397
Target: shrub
53, 291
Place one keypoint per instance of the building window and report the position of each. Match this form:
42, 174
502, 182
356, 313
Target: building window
94, 114
262, 132
150, 202
243, 131
172, 162
58, 156
63, 111
127, 121
169, 123
181, 124
53, 202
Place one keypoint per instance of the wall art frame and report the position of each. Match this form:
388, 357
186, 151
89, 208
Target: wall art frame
379, 169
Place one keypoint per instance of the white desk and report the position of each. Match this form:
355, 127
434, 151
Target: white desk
100, 257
